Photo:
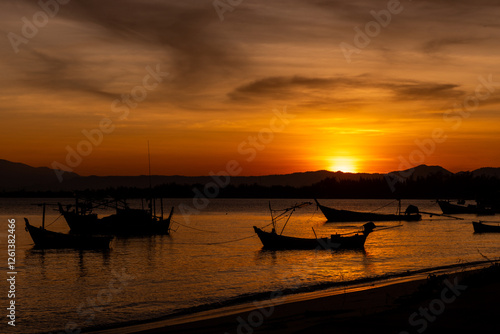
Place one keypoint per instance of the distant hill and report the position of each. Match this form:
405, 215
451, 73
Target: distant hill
142, 181
18, 177
488, 172
421, 172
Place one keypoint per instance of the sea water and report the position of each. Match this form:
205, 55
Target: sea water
211, 257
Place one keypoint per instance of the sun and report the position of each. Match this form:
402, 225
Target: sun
343, 164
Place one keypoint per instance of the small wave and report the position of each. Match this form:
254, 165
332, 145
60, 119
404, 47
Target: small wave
261, 296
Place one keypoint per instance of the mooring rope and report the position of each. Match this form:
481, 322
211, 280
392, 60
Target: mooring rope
226, 242
54, 220
441, 215
194, 228
253, 235
384, 206
312, 216
222, 242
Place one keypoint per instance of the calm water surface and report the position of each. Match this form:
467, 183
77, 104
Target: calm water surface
147, 278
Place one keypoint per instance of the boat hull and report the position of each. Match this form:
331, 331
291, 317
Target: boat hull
450, 209
126, 222
484, 228
273, 241
337, 216
48, 239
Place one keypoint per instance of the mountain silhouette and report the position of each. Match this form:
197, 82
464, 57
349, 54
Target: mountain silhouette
488, 172
19, 176
16, 176
422, 171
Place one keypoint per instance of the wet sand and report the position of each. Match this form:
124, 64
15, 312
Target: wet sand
467, 301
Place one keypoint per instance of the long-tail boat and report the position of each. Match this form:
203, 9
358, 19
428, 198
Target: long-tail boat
479, 209
46, 239
126, 221
274, 241
336, 215
480, 227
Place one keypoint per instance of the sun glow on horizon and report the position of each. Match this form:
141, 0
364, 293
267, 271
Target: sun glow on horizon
343, 164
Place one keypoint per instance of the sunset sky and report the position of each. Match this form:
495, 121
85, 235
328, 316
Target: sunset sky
278, 86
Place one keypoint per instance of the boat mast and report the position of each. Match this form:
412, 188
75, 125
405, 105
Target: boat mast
314, 233
151, 201
161, 205
43, 217
284, 212
272, 217
293, 209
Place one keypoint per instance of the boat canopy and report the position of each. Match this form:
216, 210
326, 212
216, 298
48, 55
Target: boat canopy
411, 209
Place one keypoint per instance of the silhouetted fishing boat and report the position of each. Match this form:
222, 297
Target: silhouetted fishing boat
46, 239
273, 240
480, 227
449, 208
460, 208
336, 215
124, 222
490, 204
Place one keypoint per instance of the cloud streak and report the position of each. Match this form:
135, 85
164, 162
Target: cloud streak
281, 88
230, 74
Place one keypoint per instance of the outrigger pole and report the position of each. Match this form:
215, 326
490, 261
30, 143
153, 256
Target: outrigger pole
438, 214
293, 209
272, 217
296, 206
314, 232
152, 202
43, 205
43, 217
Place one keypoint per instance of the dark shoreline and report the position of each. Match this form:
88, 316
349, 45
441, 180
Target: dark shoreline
325, 185
364, 283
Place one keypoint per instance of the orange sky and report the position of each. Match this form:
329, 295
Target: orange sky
229, 79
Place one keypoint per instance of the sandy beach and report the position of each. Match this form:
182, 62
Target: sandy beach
452, 302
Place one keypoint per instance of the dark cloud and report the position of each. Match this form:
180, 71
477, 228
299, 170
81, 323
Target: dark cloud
289, 87
282, 87
62, 73
200, 51
426, 91
440, 44
186, 36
